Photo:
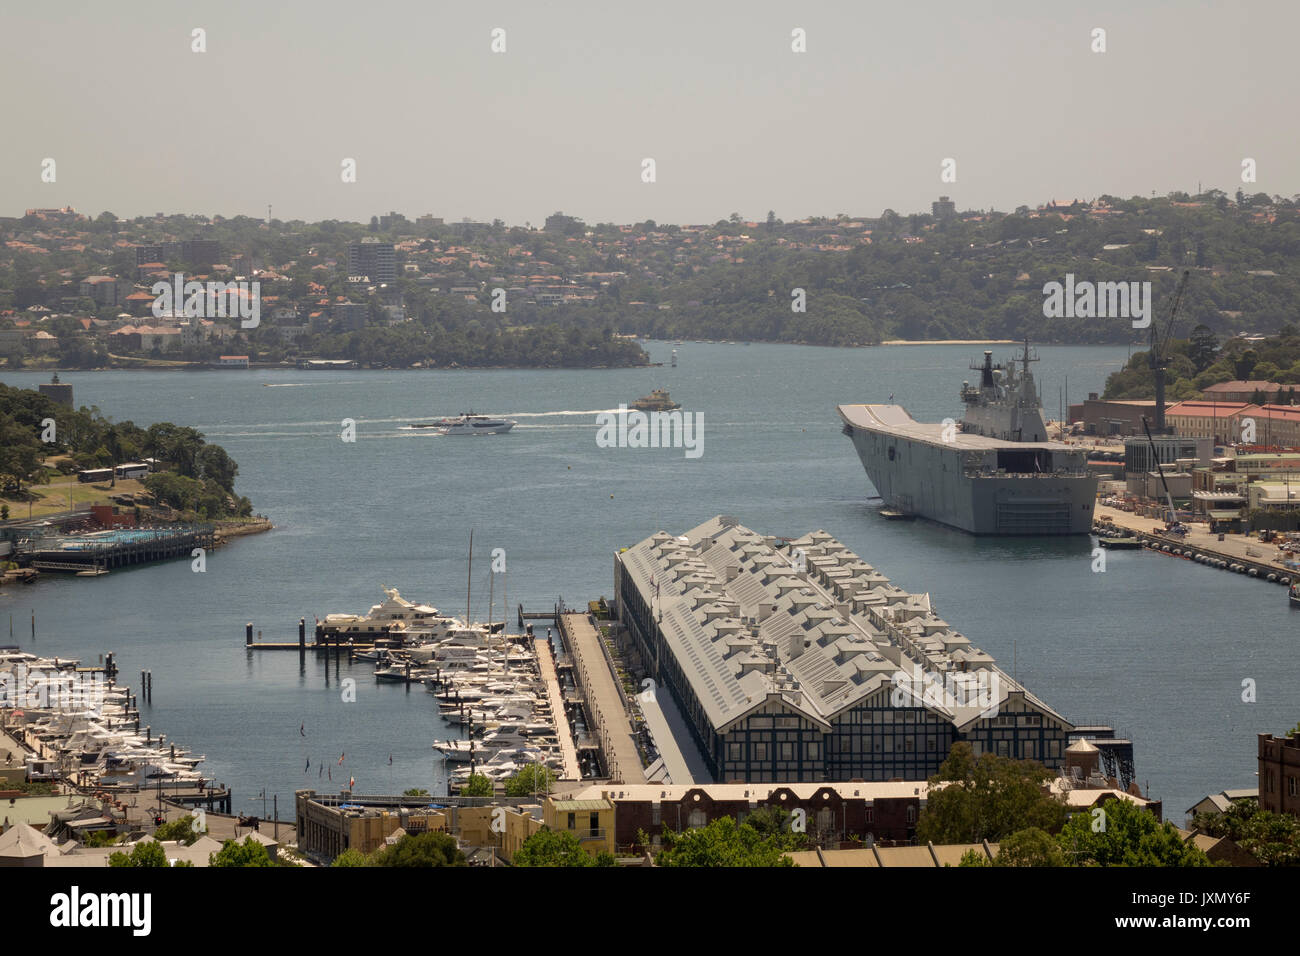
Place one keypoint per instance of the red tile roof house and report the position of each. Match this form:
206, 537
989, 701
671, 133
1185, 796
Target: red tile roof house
1241, 391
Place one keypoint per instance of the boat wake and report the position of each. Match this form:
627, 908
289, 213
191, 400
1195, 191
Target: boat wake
594, 411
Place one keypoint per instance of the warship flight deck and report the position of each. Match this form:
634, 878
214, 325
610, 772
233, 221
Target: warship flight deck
895, 418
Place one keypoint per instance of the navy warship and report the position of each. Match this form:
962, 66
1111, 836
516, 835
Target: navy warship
994, 472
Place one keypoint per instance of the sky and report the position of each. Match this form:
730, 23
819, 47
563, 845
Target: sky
563, 119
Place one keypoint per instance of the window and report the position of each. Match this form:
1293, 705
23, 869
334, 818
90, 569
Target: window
787, 751
760, 751
573, 821
1291, 786
734, 752
814, 751
931, 744
910, 744
911, 814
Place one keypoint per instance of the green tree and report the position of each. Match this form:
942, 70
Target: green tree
214, 464
974, 858
549, 847
988, 798
248, 853
1124, 834
1271, 838
181, 830
144, 853
1030, 847
478, 785
721, 843
532, 779
420, 850
1202, 346
352, 857
776, 824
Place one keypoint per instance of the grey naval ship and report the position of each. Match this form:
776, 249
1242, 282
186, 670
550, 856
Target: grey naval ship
994, 472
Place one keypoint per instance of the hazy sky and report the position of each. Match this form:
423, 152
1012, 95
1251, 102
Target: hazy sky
712, 91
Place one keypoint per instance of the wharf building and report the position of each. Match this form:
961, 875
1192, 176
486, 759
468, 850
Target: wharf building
793, 660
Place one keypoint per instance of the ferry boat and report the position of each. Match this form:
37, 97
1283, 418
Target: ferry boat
656, 401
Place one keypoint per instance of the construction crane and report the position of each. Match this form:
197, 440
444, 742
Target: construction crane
1158, 356
1172, 523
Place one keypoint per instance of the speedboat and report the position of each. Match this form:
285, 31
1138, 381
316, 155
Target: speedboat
471, 424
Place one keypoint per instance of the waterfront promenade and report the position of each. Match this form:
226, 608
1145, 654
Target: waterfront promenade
604, 698
1234, 547
568, 753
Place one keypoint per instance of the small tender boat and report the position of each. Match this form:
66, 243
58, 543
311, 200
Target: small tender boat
1293, 594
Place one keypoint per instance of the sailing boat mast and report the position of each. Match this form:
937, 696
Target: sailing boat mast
469, 577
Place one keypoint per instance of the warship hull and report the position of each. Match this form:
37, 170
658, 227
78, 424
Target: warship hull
982, 485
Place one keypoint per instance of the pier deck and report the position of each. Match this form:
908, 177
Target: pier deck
604, 698
568, 753
1234, 548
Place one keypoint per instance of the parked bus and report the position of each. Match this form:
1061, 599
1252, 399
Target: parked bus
95, 474
134, 469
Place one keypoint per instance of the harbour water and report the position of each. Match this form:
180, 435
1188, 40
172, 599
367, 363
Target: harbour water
1158, 647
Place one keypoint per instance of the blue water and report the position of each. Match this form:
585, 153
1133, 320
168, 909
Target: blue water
1156, 646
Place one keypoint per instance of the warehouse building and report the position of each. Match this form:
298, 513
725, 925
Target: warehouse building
796, 661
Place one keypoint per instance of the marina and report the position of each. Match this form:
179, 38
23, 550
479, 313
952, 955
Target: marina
77, 729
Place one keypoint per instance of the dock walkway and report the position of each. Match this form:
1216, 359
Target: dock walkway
604, 698
568, 752
1234, 548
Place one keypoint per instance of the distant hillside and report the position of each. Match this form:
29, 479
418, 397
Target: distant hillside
1200, 361
569, 286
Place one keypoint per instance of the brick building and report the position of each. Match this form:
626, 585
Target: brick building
1279, 773
833, 811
